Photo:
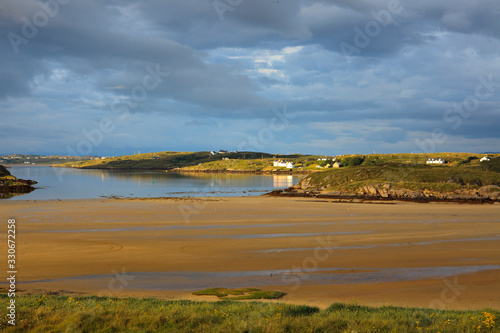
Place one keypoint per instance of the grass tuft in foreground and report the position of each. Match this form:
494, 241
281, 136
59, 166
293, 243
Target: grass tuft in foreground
240, 294
38, 313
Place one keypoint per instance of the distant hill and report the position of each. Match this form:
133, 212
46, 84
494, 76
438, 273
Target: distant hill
465, 178
30, 159
167, 160
257, 161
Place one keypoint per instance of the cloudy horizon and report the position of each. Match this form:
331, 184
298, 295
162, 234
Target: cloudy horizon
279, 76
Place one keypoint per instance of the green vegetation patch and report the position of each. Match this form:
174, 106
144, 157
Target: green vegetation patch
407, 176
38, 313
493, 165
240, 294
171, 160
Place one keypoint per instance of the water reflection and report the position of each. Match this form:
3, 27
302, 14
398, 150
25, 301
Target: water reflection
371, 246
57, 183
282, 181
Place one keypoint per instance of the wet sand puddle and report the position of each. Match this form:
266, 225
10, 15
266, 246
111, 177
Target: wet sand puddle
371, 246
188, 281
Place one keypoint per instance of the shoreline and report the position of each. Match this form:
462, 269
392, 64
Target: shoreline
247, 234
356, 198
274, 172
216, 171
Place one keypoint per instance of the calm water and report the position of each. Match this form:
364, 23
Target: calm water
59, 183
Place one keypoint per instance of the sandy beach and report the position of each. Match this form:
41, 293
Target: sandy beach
318, 252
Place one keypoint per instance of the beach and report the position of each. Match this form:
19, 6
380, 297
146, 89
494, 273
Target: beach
442, 255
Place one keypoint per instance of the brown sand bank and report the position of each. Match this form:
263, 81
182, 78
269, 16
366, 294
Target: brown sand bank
319, 252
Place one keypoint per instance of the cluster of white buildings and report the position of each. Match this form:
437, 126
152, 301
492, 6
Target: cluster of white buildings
326, 158
435, 161
213, 152
441, 161
282, 163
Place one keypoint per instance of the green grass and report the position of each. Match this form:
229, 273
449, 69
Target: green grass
408, 176
404, 158
493, 165
241, 294
259, 162
170, 160
38, 313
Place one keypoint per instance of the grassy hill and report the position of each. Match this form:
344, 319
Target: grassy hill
407, 176
252, 165
452, 159
170, 160
263, 162
493, 165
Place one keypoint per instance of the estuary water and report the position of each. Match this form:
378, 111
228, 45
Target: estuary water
66, 183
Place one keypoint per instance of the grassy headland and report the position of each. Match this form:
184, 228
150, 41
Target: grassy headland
38, 313
407, 175
188, 161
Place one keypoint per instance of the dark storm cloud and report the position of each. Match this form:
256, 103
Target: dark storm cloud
99, 47
373, 71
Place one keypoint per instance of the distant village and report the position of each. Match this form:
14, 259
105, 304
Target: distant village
41, 159
324, 162
327, 162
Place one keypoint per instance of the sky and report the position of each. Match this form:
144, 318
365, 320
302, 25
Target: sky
331, 77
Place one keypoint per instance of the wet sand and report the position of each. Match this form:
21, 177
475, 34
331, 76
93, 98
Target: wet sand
318, 252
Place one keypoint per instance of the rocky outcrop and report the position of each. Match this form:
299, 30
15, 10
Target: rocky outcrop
386, 191
11, 185
16, 185
3, 171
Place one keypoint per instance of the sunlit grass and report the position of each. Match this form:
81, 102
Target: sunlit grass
240, 294
40, 313
411, 177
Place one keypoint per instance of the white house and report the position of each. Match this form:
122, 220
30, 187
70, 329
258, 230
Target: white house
281, 163
435, 161
213, 153
326, 158
484, 159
